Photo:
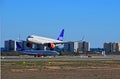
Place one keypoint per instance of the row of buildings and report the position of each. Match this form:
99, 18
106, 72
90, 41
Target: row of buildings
80, 47
111, 47
10, 45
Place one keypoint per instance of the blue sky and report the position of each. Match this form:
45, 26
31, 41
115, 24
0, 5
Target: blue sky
97, 20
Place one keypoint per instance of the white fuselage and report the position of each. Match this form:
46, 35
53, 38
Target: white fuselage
41, 40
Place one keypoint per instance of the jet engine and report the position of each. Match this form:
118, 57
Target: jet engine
29, 45
51, 46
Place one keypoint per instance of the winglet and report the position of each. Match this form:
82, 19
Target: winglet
60, 37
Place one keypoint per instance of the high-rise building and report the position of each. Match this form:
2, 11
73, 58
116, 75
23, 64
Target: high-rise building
10, 45
114, 47
83, 47
111, 47
118, 47
107, 47
71, 47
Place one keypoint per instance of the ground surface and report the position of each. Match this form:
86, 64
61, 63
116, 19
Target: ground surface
60, 69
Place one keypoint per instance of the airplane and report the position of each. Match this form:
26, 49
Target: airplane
36, 53
39, 40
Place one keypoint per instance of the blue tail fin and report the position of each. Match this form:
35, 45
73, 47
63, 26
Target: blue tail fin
60, 38
19, 48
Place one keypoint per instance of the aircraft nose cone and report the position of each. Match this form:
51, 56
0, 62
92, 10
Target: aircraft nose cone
28, 39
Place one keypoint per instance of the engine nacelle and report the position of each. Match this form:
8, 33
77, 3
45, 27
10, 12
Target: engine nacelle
29, 45
51, 46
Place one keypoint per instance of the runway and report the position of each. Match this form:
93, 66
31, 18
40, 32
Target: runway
62, 58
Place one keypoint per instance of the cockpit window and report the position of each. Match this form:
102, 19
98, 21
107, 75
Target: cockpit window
30, 36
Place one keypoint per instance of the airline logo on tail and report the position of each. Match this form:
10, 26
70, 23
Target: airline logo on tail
60, 38
19, 48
